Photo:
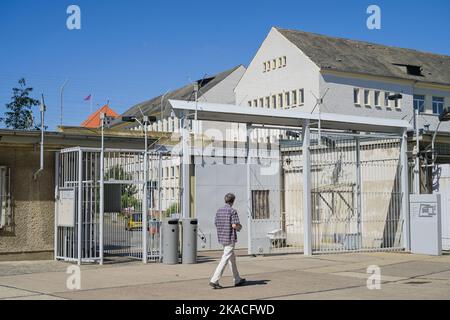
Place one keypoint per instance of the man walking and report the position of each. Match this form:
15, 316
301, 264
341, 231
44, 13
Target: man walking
227, 224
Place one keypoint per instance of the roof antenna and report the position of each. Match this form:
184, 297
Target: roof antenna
319, 102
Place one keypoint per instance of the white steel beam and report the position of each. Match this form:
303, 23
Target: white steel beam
405, 192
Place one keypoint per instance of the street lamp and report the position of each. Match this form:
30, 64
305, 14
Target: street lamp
144, 124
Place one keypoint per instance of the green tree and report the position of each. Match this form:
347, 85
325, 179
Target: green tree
20, 114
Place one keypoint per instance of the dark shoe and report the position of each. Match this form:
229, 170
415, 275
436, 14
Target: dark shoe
240, 283
215, 285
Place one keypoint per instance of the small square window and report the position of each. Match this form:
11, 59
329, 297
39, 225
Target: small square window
287, 98
280, 100
367, 97
377, 98
356, 96
267, 102
438, 105
386, 99
280, 62
255, 103
301, 96
294, 97
261, 102
264, 67
274, 102
274, 64
419, 102
250, 103
268, 66
284, 61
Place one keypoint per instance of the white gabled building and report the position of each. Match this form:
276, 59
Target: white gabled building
293, 69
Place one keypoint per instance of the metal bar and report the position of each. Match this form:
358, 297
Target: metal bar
307, 208
358, 190
55, 244
405, 191
80, 197
249, 189
102, 196
144, 200
185, 170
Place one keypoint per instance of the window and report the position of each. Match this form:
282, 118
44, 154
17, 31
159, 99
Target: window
280, 101
284, 61
386, 99
356, 96
261, 102
398, 103
301, 96
438, 105
167, 172
294, 97
5, 198
367, 97
250, 103
172, 193
268, 65
274, 64
264, 66
173, 172
377, 98
274, 102
260, 204
267, 102
287, 98
280, 62
419, 102
255, 103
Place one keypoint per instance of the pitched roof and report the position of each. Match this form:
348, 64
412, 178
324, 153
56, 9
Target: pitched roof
93, 121
346, 55
152, 107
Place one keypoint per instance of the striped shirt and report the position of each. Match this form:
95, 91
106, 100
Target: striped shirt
225, 217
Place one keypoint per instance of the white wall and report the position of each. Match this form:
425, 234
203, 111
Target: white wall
300, 72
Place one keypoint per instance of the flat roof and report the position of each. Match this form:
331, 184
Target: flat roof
288, 118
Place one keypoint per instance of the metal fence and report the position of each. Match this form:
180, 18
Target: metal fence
356, 195
78, 223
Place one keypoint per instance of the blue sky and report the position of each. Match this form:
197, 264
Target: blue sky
130, 51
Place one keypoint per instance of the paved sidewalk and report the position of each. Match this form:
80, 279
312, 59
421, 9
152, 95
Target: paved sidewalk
342, 276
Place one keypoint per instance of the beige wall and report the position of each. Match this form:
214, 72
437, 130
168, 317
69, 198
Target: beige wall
31, 231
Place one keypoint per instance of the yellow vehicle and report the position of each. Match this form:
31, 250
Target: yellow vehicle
134, 221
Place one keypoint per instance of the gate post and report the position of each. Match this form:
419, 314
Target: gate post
358, 191
249, 189
307, 208
80, 201
405, 190
185, 136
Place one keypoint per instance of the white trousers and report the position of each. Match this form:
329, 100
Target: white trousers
228, 258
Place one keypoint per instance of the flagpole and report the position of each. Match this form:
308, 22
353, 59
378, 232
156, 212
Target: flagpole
92, 98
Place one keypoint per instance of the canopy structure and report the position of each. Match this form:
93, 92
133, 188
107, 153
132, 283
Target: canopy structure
290, 118
344, 124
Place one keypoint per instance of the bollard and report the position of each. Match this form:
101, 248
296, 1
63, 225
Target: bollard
190, 230
170, 241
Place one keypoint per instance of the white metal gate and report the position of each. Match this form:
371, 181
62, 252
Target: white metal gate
80, 234
356, 195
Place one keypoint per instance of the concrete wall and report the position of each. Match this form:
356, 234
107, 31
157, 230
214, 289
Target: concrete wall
213, 179
31, 233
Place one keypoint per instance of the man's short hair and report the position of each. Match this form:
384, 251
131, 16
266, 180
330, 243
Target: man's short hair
229, 198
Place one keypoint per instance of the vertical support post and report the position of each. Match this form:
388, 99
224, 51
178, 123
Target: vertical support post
145, 200
417, 159
102, 189
160, 203
185, 169
249, 189
55, 240
405, 191
307, 206
358, 190
80, 201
